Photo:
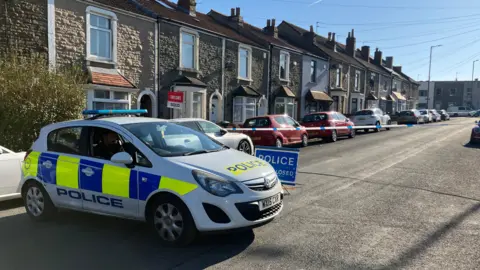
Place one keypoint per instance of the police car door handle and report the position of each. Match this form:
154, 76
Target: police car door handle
48, 164
88, 171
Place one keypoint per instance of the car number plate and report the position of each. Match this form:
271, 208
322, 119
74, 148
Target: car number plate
269, 202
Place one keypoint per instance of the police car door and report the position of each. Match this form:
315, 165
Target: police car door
59, 166
108, 187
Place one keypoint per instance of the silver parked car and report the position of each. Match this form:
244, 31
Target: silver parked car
239, 141
410, 117
435, 115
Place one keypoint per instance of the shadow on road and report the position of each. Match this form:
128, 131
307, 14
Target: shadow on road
11, 204
416, 251
472, 145
79, 241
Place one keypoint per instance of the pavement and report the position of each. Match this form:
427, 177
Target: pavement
408, 198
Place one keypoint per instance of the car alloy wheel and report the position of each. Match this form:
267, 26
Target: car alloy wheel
333, 137
352, 133
304, 140
376, 129
388, 123
245, 147
34, 201
168, 222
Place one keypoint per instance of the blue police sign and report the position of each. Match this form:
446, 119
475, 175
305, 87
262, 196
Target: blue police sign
283, 160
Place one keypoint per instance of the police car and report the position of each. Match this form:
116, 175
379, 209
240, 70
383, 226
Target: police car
179, 180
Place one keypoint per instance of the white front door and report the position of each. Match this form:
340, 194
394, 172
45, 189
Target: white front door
214, 110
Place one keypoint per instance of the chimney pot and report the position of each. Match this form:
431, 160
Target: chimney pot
348, 35
238, 11
273, 22
268, 23
232, 12
389, 61
333, 36
329, 36
311, 28
353, 32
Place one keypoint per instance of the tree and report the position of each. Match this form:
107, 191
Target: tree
32, 96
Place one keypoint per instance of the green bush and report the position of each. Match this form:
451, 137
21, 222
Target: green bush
32, 97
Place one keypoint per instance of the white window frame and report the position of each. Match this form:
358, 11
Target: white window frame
249, 62
287, 67
91, 98
113, 21
338, 77
285, 102
195, 49
357, 81
244, 104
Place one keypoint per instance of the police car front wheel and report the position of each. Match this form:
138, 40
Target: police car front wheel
37, 202
173, 222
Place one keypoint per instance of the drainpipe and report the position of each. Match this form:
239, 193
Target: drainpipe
222, 85
7, 37
157, 65
269, 79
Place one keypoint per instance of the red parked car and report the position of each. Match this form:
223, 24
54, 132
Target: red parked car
328, 119
276, 138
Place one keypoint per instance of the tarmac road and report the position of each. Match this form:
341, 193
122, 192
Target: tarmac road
408, 198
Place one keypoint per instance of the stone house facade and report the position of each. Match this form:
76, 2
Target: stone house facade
114, 42
285, 63
221, 73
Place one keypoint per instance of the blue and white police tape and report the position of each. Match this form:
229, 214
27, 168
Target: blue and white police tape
341, 127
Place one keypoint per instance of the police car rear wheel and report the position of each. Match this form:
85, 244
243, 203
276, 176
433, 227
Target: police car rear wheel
245, 147
37, 202
173, 222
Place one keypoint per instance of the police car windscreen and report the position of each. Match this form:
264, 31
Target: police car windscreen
169, 139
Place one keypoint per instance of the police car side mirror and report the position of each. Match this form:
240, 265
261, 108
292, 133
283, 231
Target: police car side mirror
122, 158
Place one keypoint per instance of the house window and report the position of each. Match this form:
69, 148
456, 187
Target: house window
197, 111
385, 85
395, 85
313, 71
338, 75
188, 50
357, 80
438, 91
453, 92
243, 108
285, 105
101, 34
284, 65
110, 100
423, 93
244, 63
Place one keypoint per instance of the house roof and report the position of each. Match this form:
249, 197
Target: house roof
126, 5
321, 42
169, 11
245, 90
259, 35
188, 81
320, 96
371, 66
108, 77
285, 91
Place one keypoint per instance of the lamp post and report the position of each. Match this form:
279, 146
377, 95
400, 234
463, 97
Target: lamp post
429, 71
473, 69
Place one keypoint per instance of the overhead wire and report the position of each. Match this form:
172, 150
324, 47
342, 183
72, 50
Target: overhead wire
377, 6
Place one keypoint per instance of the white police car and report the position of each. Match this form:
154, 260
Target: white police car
179, 180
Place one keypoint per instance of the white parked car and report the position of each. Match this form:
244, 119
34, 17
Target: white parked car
239, 141
371, 117
427, 116
10, 173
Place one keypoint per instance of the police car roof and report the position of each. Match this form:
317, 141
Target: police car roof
186, 119
130, 120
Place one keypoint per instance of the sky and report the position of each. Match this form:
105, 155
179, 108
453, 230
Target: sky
403, 29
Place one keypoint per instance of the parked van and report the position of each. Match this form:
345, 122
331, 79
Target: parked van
458, 111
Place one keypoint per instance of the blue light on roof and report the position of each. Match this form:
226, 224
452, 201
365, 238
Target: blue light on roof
112, 112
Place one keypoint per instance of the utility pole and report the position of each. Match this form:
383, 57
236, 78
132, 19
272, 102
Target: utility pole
473, 69
429, 72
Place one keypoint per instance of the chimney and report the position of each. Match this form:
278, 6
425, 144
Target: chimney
397, 68
329, 36
235, 16
271, 29
188, 6
366, 53
310, 36
389, 60
378, 57
351, 43
332, 43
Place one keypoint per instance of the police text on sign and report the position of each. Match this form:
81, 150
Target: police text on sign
283, 160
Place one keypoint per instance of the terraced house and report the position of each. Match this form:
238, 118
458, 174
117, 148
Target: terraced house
112, 40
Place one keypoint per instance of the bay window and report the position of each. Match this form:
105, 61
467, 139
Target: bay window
285, 105
197, 105
110, 100
244, 108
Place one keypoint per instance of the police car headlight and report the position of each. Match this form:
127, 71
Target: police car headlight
216, 185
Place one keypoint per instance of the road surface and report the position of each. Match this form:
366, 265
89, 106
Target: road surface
408, 198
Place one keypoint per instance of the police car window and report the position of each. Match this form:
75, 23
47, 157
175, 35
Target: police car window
209, 127
65, 140
169, 139
104, 143
192, 125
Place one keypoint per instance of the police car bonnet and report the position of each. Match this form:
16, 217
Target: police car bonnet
231, 164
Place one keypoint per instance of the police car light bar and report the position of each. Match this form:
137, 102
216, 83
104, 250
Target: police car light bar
113, 112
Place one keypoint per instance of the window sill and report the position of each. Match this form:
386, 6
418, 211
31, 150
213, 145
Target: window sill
99, 60
193, 70
244, 79
284, 80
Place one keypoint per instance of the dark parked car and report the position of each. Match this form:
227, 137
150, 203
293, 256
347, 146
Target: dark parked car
444, 115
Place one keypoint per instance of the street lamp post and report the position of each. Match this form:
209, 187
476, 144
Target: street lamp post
473, 69
429, 71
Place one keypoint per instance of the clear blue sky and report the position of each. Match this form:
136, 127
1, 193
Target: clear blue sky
402, 29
